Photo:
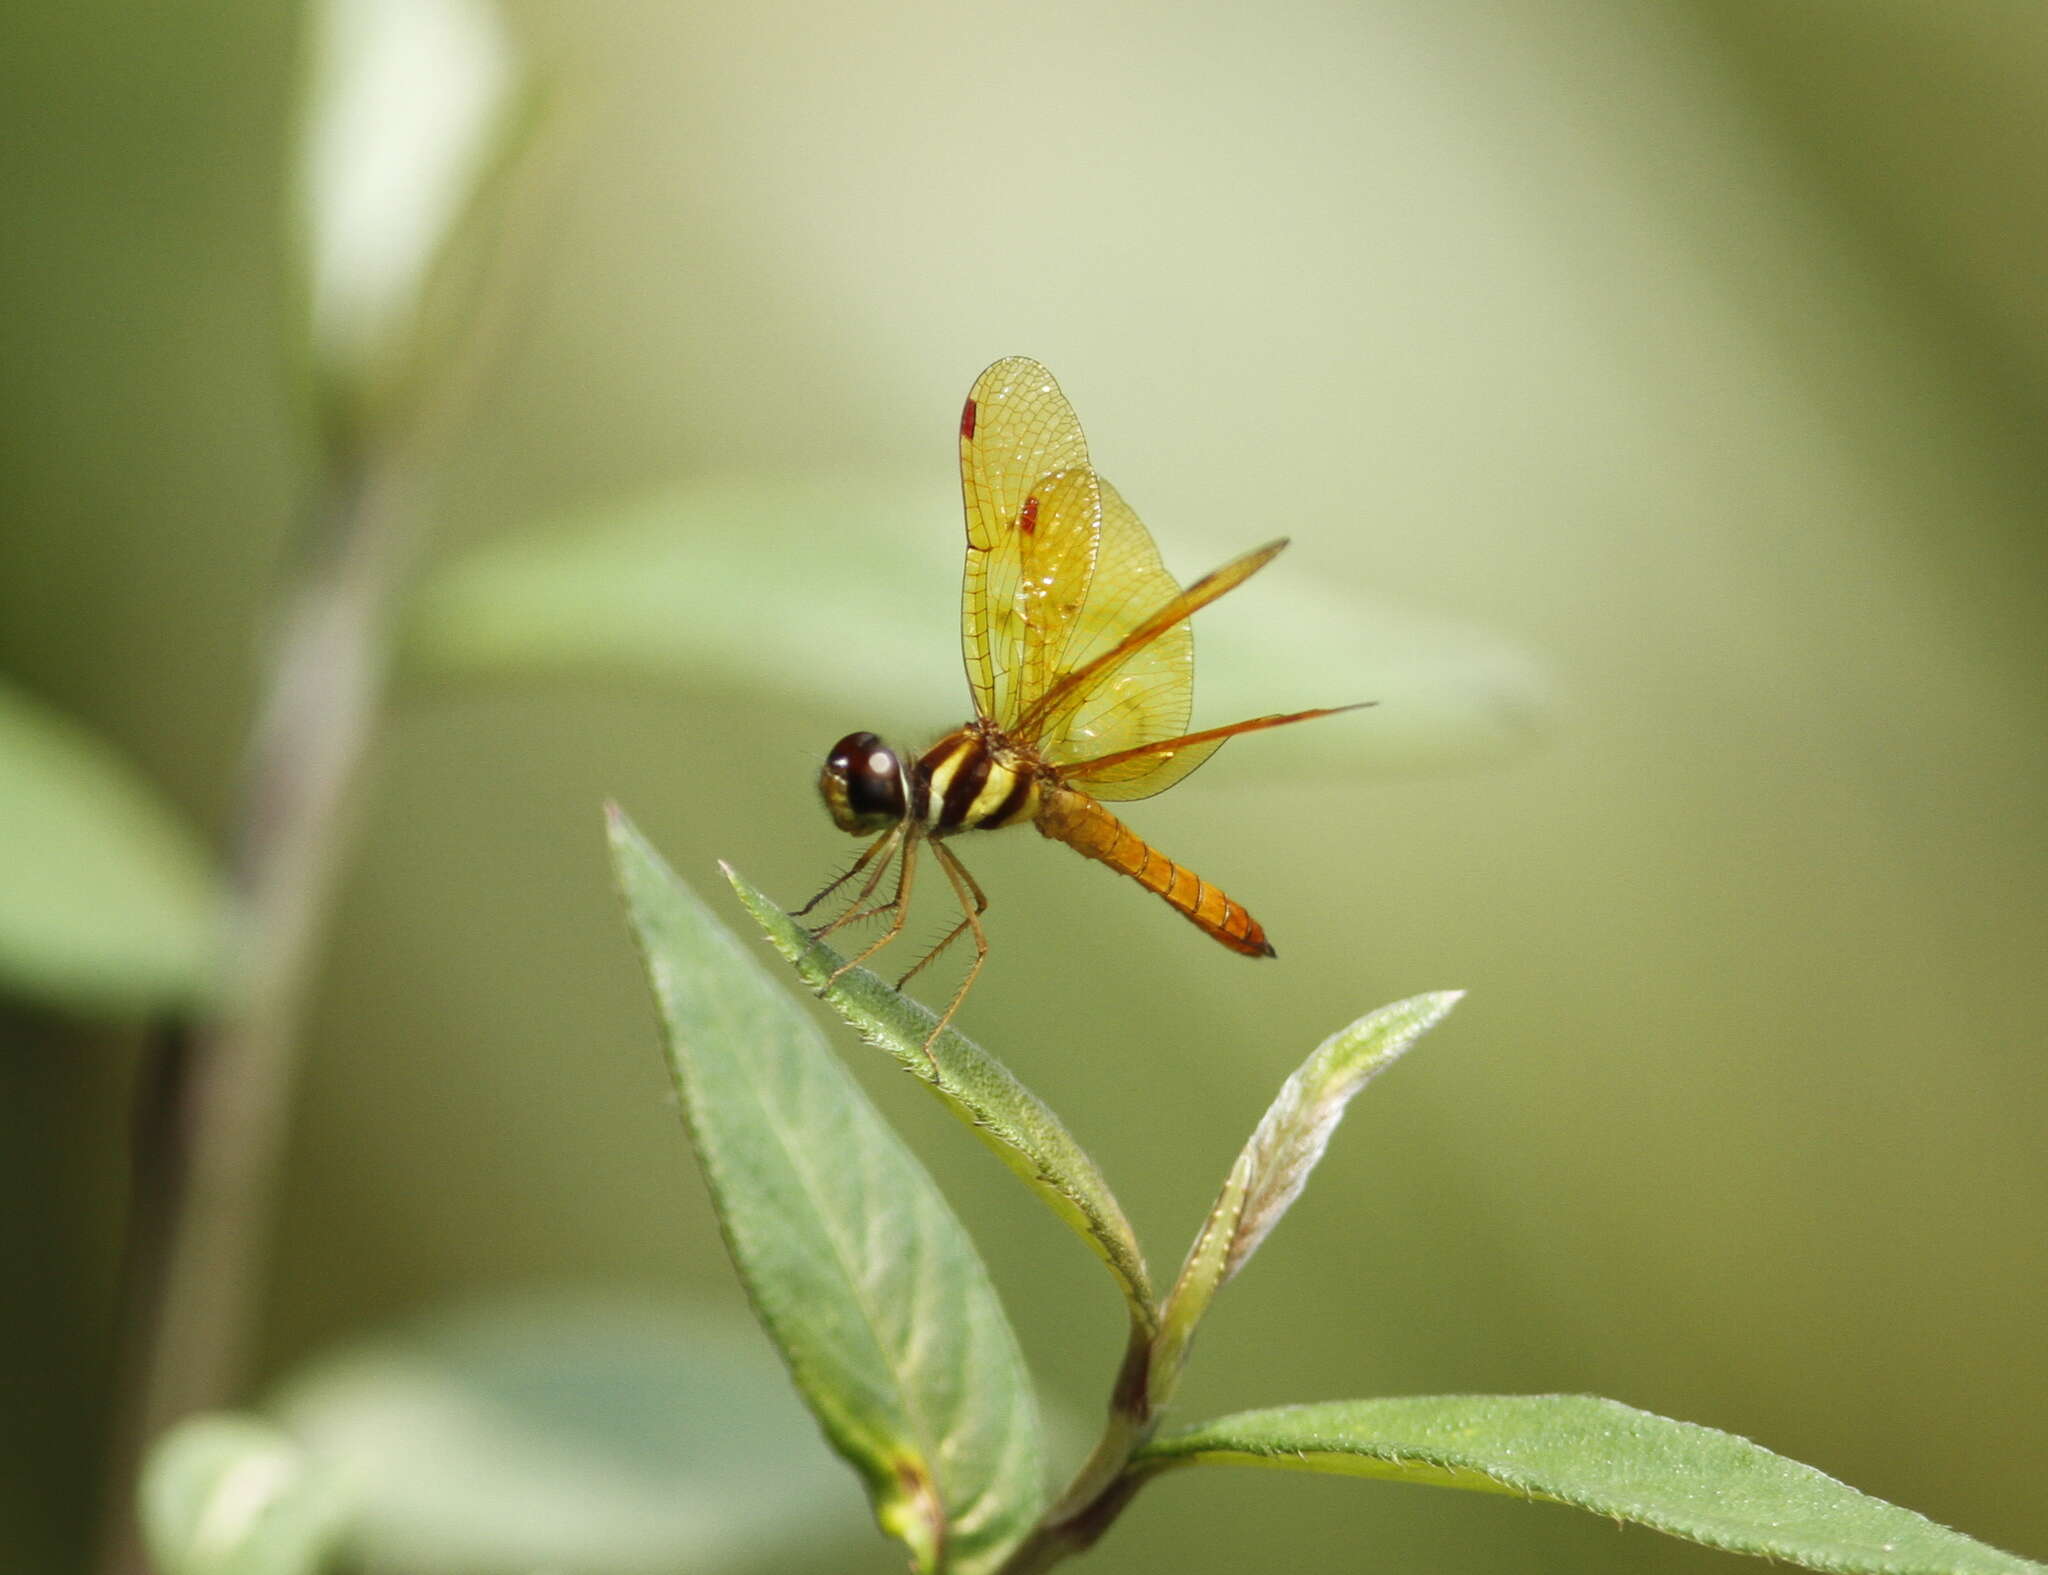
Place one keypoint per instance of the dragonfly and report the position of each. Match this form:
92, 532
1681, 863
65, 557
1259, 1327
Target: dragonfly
1080, 663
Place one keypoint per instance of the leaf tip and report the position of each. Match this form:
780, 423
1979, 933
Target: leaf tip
629, 848
618, 836
743, 889
1435, 1005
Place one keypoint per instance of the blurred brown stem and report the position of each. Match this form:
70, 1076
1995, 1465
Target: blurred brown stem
207, 1171
208, 1154
312, 732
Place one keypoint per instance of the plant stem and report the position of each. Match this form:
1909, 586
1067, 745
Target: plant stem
211, 1174
1104, 1485
311, 737
210, 1171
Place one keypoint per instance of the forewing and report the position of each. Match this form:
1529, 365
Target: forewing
1034, 516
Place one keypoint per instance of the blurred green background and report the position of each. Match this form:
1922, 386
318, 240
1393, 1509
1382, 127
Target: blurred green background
1697, 351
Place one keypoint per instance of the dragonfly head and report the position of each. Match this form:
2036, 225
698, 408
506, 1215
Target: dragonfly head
862, 785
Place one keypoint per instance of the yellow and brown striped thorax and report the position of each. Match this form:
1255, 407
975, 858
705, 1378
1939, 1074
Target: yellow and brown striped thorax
971, 784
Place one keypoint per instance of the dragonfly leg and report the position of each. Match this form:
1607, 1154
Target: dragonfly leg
856, 914
898, 906
867, 856
973, 904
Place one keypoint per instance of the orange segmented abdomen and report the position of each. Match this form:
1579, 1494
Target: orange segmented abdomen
1085, 826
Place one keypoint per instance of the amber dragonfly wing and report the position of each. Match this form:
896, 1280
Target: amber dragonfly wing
1060, 571
1077, 640
1034, 520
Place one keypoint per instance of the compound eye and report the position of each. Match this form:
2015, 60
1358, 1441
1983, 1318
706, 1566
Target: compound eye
862, 784
851, 754
875, 785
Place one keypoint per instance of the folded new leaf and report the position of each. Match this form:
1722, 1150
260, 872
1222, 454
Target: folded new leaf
1275, 1165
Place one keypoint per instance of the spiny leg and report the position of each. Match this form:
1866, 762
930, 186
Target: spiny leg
898, 905
858, 865
971, 907
856, 914
973, 904
886, 845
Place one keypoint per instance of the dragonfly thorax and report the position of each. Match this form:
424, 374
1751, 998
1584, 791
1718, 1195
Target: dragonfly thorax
973, 780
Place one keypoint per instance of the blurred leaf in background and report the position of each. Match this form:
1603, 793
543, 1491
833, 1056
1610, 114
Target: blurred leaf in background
743, 583
108, 902
573, 1430
233, 1495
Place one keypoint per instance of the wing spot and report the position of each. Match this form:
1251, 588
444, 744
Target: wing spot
967, 415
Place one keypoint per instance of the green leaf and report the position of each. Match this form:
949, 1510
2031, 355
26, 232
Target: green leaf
1676, 1477
980, 1090
854, 1262
570, 1430
107, 903
738, 582
1275, 1165
232, 1495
